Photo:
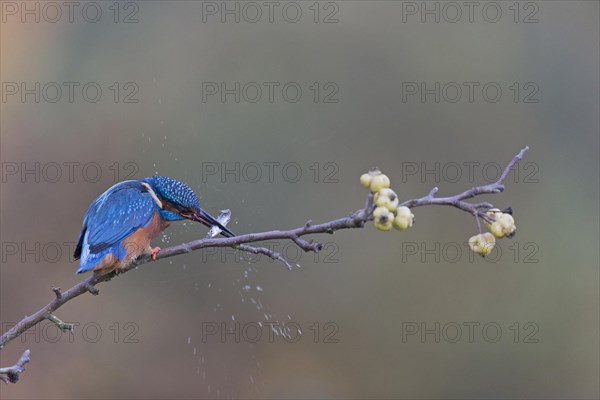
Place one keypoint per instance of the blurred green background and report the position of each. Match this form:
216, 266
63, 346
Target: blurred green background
143, 336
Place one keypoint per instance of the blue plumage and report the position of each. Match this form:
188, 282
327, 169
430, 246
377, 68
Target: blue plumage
173, 191
142, 207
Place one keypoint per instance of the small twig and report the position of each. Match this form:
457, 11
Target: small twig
90, 288
63, 326
306, 245
263, 250
57, 292
477, 221
12, 374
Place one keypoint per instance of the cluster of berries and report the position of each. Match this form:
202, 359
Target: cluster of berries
387, 213
503, 226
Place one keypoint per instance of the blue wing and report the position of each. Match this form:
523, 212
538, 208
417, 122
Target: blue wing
113, 216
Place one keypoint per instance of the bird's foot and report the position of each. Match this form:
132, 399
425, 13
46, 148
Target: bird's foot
154, 252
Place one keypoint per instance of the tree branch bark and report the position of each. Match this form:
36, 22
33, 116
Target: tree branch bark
356, 219
12, 374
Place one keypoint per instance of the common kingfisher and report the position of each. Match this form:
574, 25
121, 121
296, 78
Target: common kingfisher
120, 224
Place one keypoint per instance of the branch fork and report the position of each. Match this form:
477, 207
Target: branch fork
13, 373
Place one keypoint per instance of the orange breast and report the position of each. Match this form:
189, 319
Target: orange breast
136, 245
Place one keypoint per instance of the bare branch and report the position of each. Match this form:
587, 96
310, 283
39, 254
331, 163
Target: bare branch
12, 374
458, 200
356, 219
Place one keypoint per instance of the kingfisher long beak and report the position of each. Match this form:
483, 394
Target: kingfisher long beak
206, 219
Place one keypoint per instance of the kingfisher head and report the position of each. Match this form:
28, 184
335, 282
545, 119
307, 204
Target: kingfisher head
178, 202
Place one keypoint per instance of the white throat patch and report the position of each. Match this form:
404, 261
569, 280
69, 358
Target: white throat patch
153, 194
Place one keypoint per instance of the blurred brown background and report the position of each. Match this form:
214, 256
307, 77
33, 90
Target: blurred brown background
146, 335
